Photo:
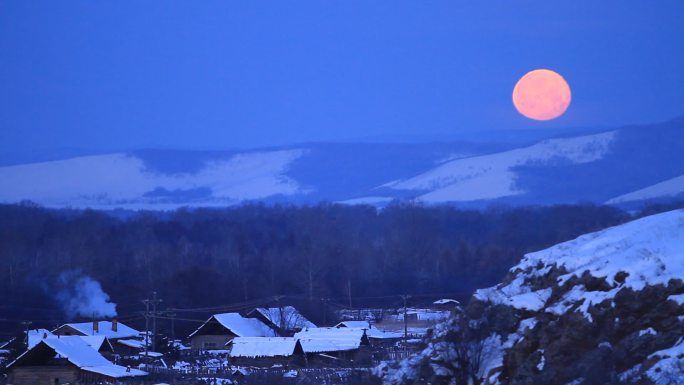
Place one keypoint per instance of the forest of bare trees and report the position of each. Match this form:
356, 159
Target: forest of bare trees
205, 257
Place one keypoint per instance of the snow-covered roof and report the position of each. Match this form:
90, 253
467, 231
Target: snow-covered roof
239, 325
316, 340
262, 346
354, 324
105, 329
132, 343
650, 250
446, 301
286, 317
82, 355
371, 331
95, 342
37, 335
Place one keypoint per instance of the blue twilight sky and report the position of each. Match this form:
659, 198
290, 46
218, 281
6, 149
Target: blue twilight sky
223, 74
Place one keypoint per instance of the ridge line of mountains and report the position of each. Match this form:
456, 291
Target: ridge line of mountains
624, 166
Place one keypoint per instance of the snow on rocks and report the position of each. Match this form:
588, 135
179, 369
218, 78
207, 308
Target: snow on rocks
582, 310
647, 251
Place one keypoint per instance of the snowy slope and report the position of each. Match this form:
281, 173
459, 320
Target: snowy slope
650, 250
123, 180
493, 176
669, 188
605, 306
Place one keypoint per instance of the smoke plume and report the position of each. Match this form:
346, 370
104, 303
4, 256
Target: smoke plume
81, 296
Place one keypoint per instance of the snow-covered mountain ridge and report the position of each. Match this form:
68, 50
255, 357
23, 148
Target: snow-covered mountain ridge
624, 165
607, 307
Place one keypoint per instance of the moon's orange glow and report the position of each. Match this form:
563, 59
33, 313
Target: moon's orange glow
541, 95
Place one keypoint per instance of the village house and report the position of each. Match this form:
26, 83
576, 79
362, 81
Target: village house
331, 346
286, 320
100, 344
221, 328
129, 346
265, 351
65, 359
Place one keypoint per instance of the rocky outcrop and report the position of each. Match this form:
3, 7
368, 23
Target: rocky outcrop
605, 308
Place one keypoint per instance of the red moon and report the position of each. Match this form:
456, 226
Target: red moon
541, 95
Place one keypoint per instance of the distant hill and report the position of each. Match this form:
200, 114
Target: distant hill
603, 166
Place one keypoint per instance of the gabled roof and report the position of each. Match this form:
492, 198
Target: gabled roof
354, 324
286, 317
239, 325
132, 343
37, 335
83, 356
252, 347
316, 340
96, 342
104, 329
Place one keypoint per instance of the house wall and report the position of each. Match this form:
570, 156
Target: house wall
210, 342
266, 362
42, 375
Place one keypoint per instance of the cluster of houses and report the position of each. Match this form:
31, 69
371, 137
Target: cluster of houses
283, 336
264, 337
74, 352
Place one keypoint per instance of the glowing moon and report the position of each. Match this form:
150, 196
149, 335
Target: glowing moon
541, 95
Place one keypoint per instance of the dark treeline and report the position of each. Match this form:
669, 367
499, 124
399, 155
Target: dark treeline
208, 257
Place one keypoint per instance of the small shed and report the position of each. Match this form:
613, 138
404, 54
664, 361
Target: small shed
265, 351
65, 360
221, 328
129, 346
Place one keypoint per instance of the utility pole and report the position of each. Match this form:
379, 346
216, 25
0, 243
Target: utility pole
26, 327
405, 298
325, 311
173, 315
147, 325
153, 314
155, 301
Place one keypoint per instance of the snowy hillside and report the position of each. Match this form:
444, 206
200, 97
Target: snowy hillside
648, 251
493, 176
607, 307
122, 180
666, 189
611, 166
